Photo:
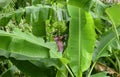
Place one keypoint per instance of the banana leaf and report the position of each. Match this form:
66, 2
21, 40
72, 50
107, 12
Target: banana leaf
36, 16
81, 3
81, 40
105, 41
113, 14
25, 46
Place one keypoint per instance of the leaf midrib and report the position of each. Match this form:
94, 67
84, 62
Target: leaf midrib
79, 44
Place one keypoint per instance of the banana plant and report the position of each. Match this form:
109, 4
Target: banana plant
81, 39
106, 40
56, 38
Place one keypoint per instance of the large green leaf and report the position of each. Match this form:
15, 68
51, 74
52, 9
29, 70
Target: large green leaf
61, 69
32, 70
80, 3
81, 40
23, 46
37, 15
44, 67
105, 41
113, 13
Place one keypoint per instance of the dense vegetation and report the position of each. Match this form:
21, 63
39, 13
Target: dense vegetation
59, 38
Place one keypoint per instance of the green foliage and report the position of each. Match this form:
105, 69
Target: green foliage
36, 15
23, 44
32, 70
87, 30
101, 74
4, 3
18, 14
113, 13
105, 41
81, 40
4, 19
82, 3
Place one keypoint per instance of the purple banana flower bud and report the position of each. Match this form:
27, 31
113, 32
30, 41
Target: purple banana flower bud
59, 43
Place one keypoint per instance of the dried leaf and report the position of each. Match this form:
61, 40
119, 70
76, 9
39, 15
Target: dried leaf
101, 67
